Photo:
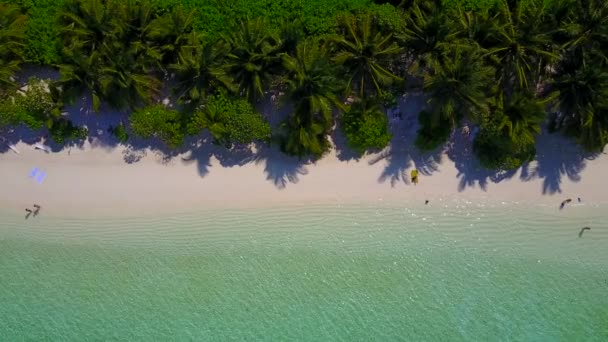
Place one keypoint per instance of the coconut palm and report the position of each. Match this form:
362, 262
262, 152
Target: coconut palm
365, 53
428, 33
253, 53
80, 72
11, 42
458, 85
126, 78
580, 89
312, 88
85, 24
523, 48
291, 33
201, 70
170, 32
521, 116
588, 28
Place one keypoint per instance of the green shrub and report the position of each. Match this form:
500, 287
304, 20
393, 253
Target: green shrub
120, 132
41, 30
365, 127
230, 121
62, 130
33, 107
431, 135
160, 122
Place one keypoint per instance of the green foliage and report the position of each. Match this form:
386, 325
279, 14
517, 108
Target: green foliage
507, 137
312, 88
158, 122
365, 126
253, 53
11, 41
33, 107
496, 150
230, 121
120, 132
365, 53
42, 30
62, 131
431, 133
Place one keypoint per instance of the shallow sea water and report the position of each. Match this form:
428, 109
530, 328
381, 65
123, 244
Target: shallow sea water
449, 271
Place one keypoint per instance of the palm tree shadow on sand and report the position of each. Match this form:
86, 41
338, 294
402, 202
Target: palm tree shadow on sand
470, 172
402, 156
279, 168
556, 157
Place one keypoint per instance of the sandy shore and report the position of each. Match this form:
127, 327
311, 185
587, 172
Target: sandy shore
97, 181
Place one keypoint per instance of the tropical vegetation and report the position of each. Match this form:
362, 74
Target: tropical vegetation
507, 67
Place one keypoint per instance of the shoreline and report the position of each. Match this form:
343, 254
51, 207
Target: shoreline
94, 181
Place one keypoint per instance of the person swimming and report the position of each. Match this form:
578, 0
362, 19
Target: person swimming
580, 234
426, 202
564, 203
29, 212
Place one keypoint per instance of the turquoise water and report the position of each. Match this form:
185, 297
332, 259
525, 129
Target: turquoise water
443, 272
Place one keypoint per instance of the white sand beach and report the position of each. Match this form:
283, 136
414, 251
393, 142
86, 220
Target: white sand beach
97, 181
104, 178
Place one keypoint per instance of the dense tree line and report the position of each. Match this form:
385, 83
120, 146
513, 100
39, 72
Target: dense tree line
507, 67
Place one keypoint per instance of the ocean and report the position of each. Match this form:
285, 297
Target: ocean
447, 271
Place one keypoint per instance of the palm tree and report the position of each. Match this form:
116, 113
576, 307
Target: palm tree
521, 117
365, 54
458, 85
86, 23
291, 33
588, 29
201, 70
580, 89
523, 48
171, 31
253, 52
11, 42
427, 34
126, 77
81, 72
311, 88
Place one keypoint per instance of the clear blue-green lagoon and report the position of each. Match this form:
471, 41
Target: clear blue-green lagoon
452, 271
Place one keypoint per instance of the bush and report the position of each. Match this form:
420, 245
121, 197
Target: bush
62, 130
431, 135
41, 30
160, 122
33, 107
230, 121
365, 127
120, 132
496, 150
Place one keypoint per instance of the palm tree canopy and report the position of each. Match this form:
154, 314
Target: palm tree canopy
201, 70
522, 48
12, 22
253, 52
458, 85
365, 53
522, 116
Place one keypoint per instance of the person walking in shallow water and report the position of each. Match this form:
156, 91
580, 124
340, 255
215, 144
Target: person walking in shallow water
29, 212
37, 209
